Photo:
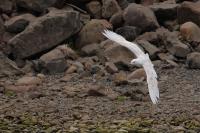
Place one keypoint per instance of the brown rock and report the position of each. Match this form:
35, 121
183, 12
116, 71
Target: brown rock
18, 23
179, 49
150, 48
55, 60
117, 20
109, 8
137, 75
92, 32
20, 88
6, 6
85, 18
189, 11
45, 33
111, 68
143, 17
116, 53
8, 67
102, 91
164, 11
172, 63
123, 3
166, 56
120, 78
190, 31
88, 62
193, 60
91, 49
29, 81
128, 32
151, 37
71, 69
68, 52
94, 8
71, 91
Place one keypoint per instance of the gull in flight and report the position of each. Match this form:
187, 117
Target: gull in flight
142, 60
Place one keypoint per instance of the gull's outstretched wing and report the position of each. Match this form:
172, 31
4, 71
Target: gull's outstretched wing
151, 80
122, 41
148, 66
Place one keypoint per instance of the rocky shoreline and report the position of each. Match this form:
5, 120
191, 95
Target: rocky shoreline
54, 52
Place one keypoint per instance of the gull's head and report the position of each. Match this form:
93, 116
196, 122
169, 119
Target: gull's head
136, 62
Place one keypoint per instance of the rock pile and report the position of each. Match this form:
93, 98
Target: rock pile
59, 36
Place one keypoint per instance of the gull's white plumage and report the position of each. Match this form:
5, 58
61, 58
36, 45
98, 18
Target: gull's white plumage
143, 60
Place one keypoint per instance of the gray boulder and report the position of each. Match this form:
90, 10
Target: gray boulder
45, 32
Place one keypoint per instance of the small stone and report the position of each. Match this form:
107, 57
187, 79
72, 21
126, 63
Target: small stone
120, 78
71, 69
40, 75
102, 91
74, 130
20, 88
193, 60
91, 49
71, 91
172, 63
111, 68
29, 81
122, 131
166, 56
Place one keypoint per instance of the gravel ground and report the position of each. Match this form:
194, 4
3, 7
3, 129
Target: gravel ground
51, 108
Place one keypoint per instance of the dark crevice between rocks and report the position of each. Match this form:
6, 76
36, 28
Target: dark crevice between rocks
77, 3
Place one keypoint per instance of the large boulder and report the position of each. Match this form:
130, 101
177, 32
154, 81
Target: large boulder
37, 6
109, 8
189, 11
141, 17
92, 32
45, 32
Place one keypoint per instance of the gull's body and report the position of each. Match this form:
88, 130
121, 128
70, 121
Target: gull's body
142, 59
